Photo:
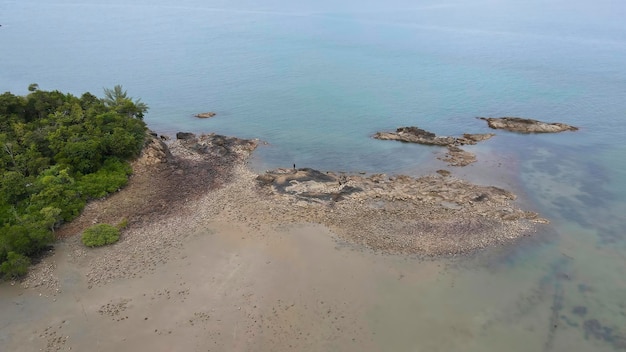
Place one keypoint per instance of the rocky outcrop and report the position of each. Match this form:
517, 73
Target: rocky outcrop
185, 135
474, 138
154, 152
430, 215
455, 155
522, 125
415, 135
308, 184
217, 145
205, 115
305, 182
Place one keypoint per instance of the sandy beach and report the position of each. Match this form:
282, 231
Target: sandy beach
218, 258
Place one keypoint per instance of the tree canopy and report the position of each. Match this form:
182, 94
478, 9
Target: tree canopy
57, 151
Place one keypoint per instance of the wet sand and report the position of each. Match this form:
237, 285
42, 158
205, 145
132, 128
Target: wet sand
227, 288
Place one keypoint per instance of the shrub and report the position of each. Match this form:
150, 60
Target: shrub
15, 266
113, 175
100, 235
122, 224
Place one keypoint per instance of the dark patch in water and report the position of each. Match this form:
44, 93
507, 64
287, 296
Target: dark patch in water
567, 209
547, 166
501, 258
584, 288
580, 311
557, 275
569, 322
591, 201
612, 234
593, 328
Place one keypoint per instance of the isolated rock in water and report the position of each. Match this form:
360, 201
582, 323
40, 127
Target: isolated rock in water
455, 155
415, 135
521, 125
205, 115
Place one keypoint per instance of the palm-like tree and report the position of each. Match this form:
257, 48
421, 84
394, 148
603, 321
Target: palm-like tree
118, 98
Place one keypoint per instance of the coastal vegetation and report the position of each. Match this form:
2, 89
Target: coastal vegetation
57, 151
100, 235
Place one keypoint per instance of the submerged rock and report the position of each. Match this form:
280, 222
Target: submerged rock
456, 156
522, 125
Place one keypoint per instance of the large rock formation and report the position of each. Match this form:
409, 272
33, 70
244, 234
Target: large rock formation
154, 152
429, 215
215, 144
455, 155
522, 125
415, 135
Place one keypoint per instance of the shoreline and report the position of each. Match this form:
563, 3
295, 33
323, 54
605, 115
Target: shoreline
183, 184
192, 181
195, 209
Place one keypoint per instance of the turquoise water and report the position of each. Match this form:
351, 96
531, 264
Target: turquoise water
315, 80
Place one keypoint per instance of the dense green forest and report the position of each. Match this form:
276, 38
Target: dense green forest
57, 151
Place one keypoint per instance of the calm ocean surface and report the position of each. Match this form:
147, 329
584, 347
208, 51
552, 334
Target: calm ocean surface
315, 80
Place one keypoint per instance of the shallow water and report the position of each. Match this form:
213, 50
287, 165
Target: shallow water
316, 79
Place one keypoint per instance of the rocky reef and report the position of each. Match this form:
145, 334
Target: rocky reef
414, 134
523, 125
217, 145
455, 156
429, 215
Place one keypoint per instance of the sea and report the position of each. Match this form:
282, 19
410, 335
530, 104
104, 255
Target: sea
314, 80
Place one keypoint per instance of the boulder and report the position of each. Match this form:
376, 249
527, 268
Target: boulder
155, 152
185, 135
